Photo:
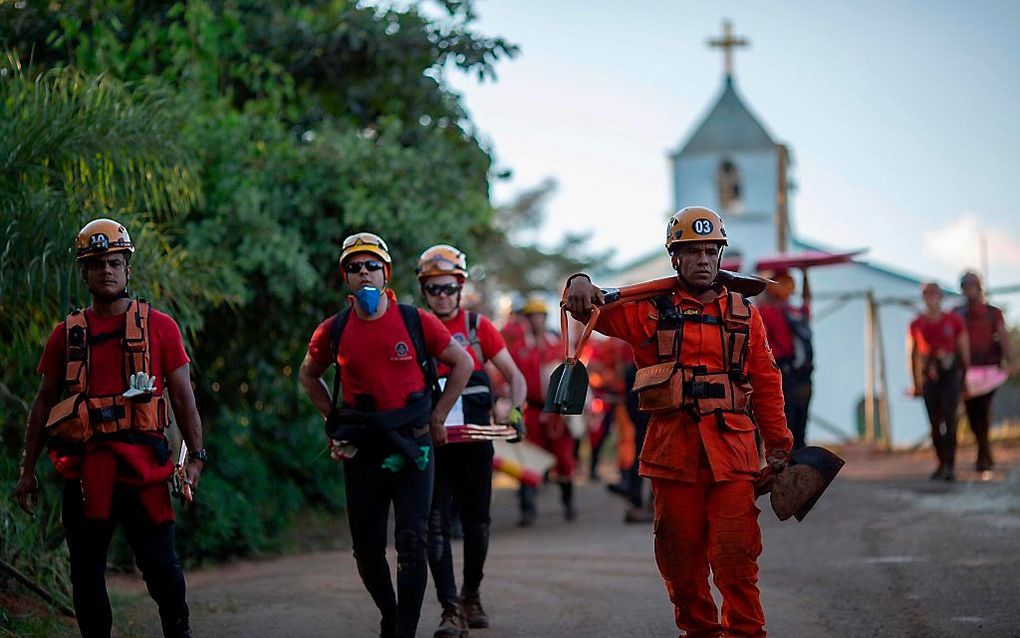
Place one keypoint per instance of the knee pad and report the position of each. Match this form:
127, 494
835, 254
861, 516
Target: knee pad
477, 531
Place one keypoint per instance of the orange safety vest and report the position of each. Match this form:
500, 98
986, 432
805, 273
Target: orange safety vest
671, 386
80, 416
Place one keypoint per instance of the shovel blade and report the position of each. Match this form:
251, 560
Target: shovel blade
568, 389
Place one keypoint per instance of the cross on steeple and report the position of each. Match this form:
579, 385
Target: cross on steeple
727, 43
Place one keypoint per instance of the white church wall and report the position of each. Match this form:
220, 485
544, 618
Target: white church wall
750, 228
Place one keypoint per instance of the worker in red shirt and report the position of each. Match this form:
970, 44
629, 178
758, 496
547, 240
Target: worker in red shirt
939, 357
536, 350
383, 430
989, 346
464, 470
788, 328
119, 361
707, 377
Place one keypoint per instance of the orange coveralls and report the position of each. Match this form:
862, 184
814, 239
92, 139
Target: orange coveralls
702, 473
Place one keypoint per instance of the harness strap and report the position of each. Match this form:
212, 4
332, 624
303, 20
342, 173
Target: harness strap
77, 352
136, 337
473, 342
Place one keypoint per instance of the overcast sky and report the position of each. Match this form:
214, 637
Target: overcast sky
900, 117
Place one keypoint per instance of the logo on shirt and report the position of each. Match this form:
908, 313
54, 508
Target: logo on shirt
401, 349
460, 338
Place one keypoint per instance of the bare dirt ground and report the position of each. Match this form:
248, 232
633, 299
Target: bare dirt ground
886, 553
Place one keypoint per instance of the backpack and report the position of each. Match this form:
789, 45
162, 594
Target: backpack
412, 321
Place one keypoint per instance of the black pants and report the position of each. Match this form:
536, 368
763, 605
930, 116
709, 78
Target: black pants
605, 426
370, 489
88, 541
942, 399
464, 473
979, 414
797, 401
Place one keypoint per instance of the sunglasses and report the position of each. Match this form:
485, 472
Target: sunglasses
441, 289
354, 267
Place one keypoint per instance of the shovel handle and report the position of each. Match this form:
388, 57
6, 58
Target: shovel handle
588, 327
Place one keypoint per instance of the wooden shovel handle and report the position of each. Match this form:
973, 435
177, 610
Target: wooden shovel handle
588, 327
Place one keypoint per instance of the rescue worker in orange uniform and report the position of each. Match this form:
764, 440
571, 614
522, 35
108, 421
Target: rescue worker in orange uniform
708, 379
106, 438
464, 470
383, 430
534, 349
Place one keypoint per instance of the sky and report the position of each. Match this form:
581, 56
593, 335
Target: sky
899, 116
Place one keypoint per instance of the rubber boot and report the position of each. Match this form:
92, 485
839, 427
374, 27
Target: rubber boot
527, 503
567, 498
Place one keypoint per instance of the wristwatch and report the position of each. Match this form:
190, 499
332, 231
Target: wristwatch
198, 455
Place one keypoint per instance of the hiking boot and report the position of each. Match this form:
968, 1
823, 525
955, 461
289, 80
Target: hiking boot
471, 607
639, 515
451, 625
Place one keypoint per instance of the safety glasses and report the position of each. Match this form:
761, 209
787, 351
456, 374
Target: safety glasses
354, 267
364, 239
435, 290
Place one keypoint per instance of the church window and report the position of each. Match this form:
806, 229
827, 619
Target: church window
728, 182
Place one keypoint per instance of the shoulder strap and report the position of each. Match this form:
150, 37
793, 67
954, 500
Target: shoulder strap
412, 321
472, 325
736, 333
136, 338
336, 330
76, 348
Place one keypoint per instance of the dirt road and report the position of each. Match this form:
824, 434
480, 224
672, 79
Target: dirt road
886, 553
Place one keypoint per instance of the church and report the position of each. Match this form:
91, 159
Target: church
731, 163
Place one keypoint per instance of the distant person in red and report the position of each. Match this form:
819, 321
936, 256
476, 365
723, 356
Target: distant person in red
989, 346
789, 333
939, 356
106, 438
534, 348
607, 367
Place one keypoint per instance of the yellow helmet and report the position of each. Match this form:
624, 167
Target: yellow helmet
442, 259
534, 305
366, 243
695, 223
101, 236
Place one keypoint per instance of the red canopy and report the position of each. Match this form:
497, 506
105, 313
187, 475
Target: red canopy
806, 259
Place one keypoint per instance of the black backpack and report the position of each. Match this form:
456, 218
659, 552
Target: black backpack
412, 321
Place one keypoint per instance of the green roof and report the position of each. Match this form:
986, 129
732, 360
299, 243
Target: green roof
729, 125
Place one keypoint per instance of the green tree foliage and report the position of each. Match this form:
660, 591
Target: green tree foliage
300, 124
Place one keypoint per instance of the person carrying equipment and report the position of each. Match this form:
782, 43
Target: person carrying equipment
534, 348
989, 346
381, 429
464, 470
939, 357
789, 333
117, 360
702, 359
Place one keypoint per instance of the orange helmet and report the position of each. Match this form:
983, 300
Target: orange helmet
101, 236
695, 223
366, 243
442, 259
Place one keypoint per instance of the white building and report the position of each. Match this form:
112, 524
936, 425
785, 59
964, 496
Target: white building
732, 164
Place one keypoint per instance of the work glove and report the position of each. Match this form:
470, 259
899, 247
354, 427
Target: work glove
139, 384
341, 450
396, 461
516, 421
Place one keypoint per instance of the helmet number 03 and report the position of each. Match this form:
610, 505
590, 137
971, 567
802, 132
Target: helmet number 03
702, 226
